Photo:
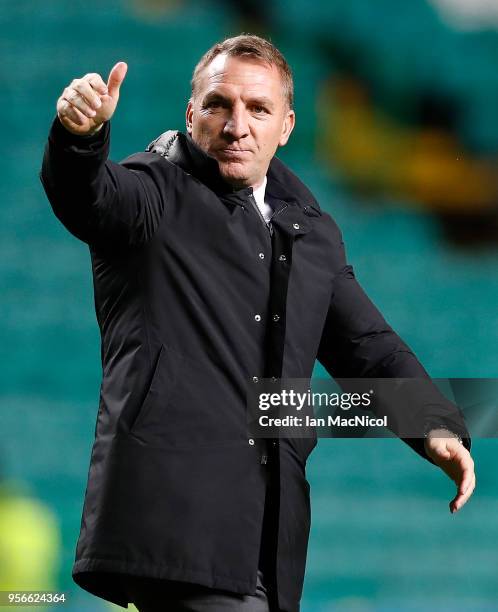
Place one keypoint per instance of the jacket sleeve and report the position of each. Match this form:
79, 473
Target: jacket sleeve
357, 342
97, 200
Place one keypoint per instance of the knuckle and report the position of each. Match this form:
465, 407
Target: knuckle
98, 81
78, 85
68, 94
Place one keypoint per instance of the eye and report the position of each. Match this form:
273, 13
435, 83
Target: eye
212, 104
258, 109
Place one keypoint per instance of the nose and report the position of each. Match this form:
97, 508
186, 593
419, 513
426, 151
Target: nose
236, 125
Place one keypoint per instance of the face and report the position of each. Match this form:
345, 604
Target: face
240, 117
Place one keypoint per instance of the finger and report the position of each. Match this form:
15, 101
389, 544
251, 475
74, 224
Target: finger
460, 467
467, 479
467, 469
87, 92
116, 77
66, 110
97, 82
77, 100
457, 503
462, 498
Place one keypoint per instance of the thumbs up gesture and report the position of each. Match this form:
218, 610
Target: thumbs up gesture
88, 102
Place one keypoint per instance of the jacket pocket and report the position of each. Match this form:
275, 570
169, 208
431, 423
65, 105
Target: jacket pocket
159, 392
191, 403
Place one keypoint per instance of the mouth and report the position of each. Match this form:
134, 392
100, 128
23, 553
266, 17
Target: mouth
229, 152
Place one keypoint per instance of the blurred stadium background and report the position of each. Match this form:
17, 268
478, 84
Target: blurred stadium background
397, 135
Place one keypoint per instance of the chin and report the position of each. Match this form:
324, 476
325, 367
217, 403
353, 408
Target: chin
234, 174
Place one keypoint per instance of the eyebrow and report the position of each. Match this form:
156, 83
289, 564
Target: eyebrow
263, 100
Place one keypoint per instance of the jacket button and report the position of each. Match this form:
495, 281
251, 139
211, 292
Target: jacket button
257, 317
296, 226
282, 258
251, 441
274, 379
261, 255
276, 317
255, 379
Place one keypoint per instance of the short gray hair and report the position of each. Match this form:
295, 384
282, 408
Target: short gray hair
252, 46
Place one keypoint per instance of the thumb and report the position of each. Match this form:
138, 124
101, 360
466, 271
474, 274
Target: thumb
437, 451
445, 454
116, 77
442, 452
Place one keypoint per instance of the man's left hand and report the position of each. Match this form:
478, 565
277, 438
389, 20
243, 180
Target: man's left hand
452, 457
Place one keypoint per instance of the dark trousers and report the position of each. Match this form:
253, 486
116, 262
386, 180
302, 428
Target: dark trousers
151, 595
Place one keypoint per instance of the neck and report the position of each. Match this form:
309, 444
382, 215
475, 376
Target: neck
243, 185
258, 184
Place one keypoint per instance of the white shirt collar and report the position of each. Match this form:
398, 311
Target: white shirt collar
259, 193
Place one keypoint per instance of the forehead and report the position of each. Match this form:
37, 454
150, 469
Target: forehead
244, 74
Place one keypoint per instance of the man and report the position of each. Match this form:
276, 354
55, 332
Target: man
213, 267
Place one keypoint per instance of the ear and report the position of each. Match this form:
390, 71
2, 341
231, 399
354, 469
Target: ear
288, 126
188, 115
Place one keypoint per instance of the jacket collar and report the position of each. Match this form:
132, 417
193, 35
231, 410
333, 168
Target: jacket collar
179, 148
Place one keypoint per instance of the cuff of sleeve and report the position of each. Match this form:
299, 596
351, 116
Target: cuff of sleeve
443, 432
79, 144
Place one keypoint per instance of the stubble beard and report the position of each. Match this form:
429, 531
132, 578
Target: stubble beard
234, 174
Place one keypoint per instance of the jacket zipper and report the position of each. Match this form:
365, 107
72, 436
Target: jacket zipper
256, 207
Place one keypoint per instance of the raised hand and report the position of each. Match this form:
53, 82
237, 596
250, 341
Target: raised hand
88, 102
